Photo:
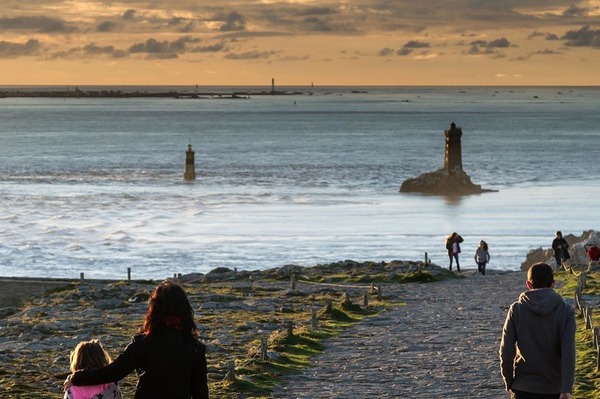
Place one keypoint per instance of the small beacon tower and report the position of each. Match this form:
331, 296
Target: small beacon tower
453, 155
190, 168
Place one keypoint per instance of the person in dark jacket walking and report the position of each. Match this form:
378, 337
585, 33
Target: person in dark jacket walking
168, 358
453, 247
561, 249
537, 351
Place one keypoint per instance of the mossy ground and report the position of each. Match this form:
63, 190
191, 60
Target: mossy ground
232, 318
587, 376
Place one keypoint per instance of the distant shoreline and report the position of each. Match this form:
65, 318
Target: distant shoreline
111, 93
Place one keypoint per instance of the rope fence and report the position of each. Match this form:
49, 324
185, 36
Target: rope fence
288, 327
586, 312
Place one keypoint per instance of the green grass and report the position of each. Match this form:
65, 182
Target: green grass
293, 354
587, 381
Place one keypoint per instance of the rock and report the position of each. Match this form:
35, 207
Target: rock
110, 304
576, 250
454, 182
5, 312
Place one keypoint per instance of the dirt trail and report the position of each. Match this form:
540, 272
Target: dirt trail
442, 344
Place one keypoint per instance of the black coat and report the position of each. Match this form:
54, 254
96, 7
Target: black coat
561, 248
169, 364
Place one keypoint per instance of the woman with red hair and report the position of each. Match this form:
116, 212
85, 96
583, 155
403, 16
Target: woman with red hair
167, 356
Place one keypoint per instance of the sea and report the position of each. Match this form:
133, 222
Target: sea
95, 185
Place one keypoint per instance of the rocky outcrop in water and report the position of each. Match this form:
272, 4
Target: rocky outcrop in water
451, 180
442, 182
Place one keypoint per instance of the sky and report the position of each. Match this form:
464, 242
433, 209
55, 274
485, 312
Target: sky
299, 42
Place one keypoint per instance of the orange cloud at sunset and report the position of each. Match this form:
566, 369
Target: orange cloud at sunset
225, 42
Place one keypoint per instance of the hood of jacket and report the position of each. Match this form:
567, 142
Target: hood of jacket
541, 301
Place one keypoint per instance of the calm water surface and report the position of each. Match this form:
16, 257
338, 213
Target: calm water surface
95, 185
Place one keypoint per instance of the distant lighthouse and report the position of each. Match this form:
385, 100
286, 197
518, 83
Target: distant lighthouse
190, 168
453, 155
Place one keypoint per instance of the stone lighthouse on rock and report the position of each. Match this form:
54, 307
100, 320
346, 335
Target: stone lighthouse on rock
453, 155
451, 180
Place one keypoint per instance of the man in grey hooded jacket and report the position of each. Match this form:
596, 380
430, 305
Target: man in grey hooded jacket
537, 352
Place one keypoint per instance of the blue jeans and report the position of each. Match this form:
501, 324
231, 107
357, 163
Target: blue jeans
481, 267
455, 256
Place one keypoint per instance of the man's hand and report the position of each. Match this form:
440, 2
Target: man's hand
565, 395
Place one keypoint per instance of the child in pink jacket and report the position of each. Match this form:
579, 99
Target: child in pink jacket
91, 355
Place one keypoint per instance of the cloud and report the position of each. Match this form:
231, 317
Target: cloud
13, 50
214, 48
410, 46
584, 37
234, 21
489, 47
499, 43
540, 52
129, 14
38, 24
386, 52
93, 49
316, 11
163, 49
250, 55
575, 11
106, 26
545, 35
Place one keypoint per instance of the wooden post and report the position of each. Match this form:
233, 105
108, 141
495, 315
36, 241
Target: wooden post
129, 274
264, 343
588, 318
379, 291
230, 376
329, 306
81, 276
293, 280
596, 342
346, 300
313, 319
366, 300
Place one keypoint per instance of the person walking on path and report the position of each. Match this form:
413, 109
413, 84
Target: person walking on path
537, 350
482, 256
169, 360
561, 249
453, 247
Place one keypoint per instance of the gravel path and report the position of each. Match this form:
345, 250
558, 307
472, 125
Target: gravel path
442, 344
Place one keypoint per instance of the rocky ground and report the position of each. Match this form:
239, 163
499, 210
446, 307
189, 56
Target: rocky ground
234, 310
439, 340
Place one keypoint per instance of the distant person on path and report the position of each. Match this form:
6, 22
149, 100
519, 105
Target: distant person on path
89, 355
561, 249
453, 247
537, 351
169, 360
482, 256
